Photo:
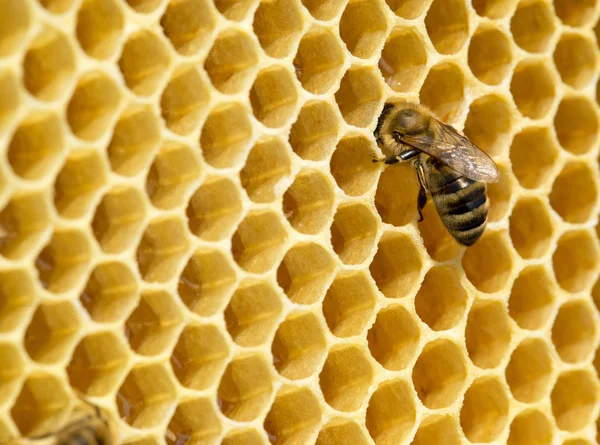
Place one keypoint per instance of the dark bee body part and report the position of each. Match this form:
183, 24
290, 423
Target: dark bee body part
85, 432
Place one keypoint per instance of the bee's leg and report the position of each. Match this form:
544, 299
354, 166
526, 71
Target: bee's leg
422, 198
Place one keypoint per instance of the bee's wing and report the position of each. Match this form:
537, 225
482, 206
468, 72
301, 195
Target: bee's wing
456, 151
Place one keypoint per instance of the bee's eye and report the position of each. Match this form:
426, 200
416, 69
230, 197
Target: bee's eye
397, 136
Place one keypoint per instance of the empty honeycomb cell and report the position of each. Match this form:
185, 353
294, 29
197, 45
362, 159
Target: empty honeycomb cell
235, 10
391, 413
531, 228
574, 332
146, 396
345, 387
188, 24
484, 412
16, 297
441, 430
52, 332
532, 298
12, 368
533, 88
278, 26
574, 399
324, 9
319, 60
100, 25
439, 374
63, 262
500, 195
363, 27
490, 55
359, 96
447, 24
245, 389
267, 168
488, 263
10, 96
576, 60
440, 244
340, 432
576, 124
36, 145
489, 124
349, 303
299, 346
408, 9
175, 168
533, 156
493, 9
397, 265
247, 436
574, 13
574, 193
161, 249
42, 403
214, 208
199, 357
394, 338
253, 313
488, 333
79, 183
186, 426
529, 371
403, 60
443, 90
315, 132
48, 65
294, 416
17, 17
23, 221
274, 96
575, 261
533, 25
144, 62
530, 427
144, 6
305, 272
353, 232
119, 219
441, 300
206, 282
97, 364
351, 165
152, 326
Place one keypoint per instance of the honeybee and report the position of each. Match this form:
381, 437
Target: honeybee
450, 168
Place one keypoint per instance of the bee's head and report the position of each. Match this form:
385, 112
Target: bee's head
407, 121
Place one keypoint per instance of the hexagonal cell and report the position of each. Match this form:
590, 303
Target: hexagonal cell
532, 298
100, 24
576, 60
12, 368
245, 389
144, 62
574, 399
530, 426
447, 24
353, 232
305, 272
16, 297
439, 374
487, 333
349, 303
78, 183
493, 9
315, 132
576, 124
488, 263
119, 218
206, 282
232, 61
529, 371
214, 209
63, 262
532, 26
151, 328
397, 265
324, 10
175, 168
394, 338
489, 124
294, 416
42, 404
23, 222
52, 332
274, 96
484, 413
441, 300
235, 10
98, 363
575, 260
443, 90
351, 165
363, 27
17, 16
253, 313
574, 331
259, 241
161, 249
575, 14
144, 6
186, 426
278, 26
93, 105
345, 387
531, 228
299, 346
403, 60
188, 25
146, 396
340, 432
408, 9
359, 97
266, 170
391, 414
533, 88
533, 156
35, 145
48, 65
247, 436
199, 357
441, 430
490, 55
574, 193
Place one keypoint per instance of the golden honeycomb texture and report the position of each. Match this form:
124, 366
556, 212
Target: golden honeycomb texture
193, 235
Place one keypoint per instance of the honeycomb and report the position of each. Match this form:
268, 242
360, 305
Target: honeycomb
194, 237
